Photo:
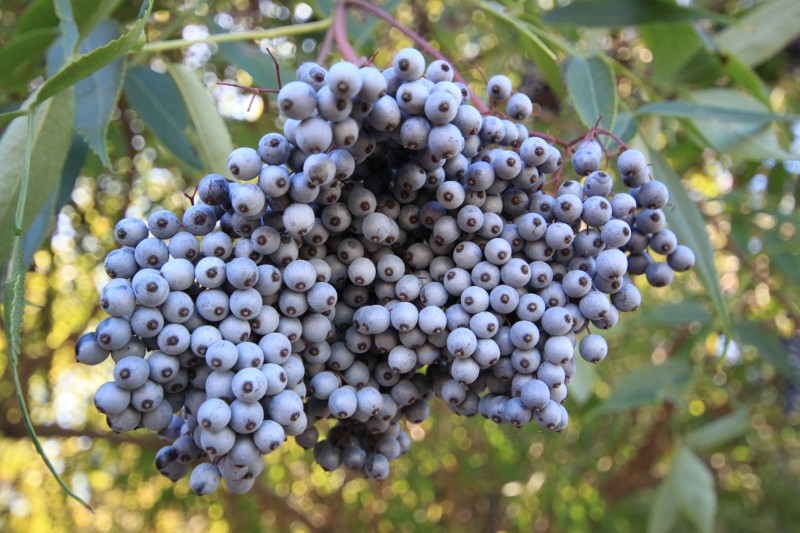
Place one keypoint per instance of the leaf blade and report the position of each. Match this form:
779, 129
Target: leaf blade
156, 98
98, 93
684, 109
719, 431
592, 89
97, 59
763, 32
643, 386
689, 225
212, 133
697, 493
611, 13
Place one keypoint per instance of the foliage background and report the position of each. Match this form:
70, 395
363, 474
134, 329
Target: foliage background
690, 423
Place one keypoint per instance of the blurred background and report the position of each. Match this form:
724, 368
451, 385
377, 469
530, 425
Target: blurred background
690, 423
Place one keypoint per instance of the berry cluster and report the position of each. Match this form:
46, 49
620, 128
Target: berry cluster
392, 245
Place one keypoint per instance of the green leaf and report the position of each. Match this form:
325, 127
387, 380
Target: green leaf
690, 227
720, 431
670, 314
646, 386
688, 489
97, 94
769, 347
740, 72
697, 494
692, 110
763, 32
69, 28
23, 51
625, 127
5, 118
90, 13
544, 58
664, 510
250, 58
51, 140
214, 140
593, 90
95, 60
57, 199
14, 303
611, 13
580, 388
39, 14
158, 101
673, 46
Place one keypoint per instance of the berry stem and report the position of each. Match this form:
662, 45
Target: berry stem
602, 131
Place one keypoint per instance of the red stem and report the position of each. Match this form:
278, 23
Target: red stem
416, 38
340, 33
325, 47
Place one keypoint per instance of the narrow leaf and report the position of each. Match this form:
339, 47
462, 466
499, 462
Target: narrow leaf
764, 31
580, 388
38, 14
645, 385
52, 135
24, 50
5, 118
674, 314
95, 60
685, 109
14, 304
158, 101
673, 46
69, 29
90, 13
57, 199
214, 140
97, 94
544, 58
689, 225
769, 347
611, 13
697, 494
720, 431
593, 90
740, 72
664, 509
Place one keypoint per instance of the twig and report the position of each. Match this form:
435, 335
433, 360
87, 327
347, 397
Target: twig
325, 47
417, 39
340, 33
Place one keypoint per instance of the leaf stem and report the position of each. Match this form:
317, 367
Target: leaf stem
269, 33
340, 33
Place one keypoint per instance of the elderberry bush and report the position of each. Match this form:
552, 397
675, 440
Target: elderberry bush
392, 246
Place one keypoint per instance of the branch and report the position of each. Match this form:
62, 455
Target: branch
254, 35
340, 34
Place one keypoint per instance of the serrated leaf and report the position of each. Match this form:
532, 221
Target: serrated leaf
97, 95
214, 140
85, 65
57, 199
683, 109
719, 431
697, 493
544, 58
612, 13
52, 135
14, 302
645, 385
158, 101
764, 31
769, 347
690, 227
593, 90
